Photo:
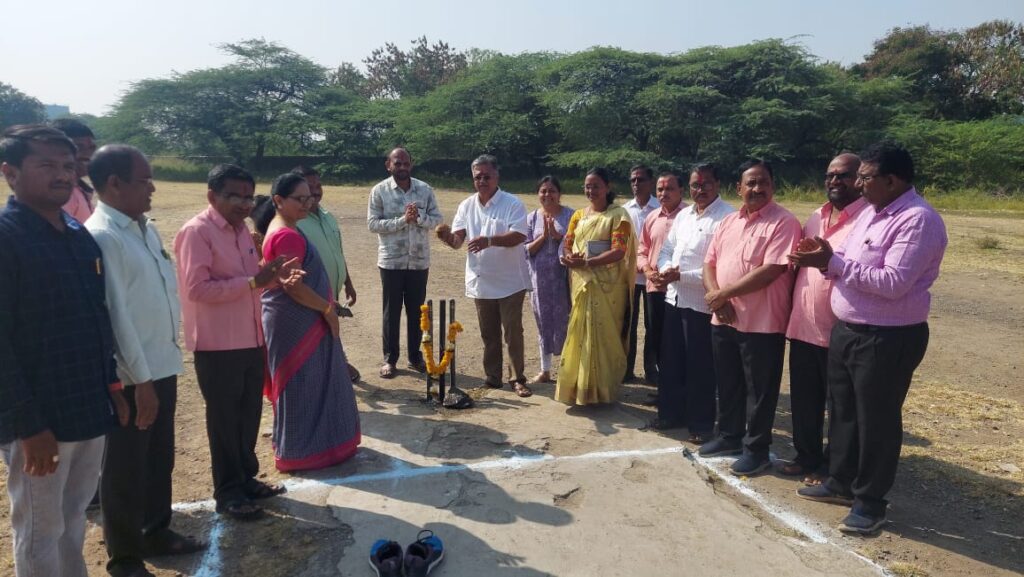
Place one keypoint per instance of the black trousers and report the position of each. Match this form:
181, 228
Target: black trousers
749, 369
808, 388
686, 390
232, 386
869, 371
403, 288
639, 296
135, 487
654, 313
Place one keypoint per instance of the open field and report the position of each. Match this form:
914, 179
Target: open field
529, 487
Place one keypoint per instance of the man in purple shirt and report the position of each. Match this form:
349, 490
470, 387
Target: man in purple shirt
880, 281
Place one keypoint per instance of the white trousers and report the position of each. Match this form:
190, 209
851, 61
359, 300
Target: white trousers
48, 513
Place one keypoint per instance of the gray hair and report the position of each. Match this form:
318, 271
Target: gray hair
488, 159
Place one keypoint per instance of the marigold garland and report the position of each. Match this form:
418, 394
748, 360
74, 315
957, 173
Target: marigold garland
436, 370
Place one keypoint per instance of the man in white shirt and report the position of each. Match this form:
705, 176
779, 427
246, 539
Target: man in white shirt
497, 279
686, 391
643, 203
142, 296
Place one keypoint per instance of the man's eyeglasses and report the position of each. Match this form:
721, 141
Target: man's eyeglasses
865, 178
637, 179
236, 200
700, 186
839, 176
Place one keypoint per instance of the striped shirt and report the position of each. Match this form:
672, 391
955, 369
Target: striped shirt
685, 246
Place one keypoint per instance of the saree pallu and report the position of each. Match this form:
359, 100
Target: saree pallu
316, 422
594, 356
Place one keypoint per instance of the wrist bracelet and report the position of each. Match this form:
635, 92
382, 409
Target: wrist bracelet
329, 309
252, 283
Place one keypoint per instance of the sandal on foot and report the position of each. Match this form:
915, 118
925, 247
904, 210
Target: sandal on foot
240, 510
168, 542
259, 490
542, 377
522, 390
387, 371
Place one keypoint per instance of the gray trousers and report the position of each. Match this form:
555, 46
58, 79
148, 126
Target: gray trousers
48, 513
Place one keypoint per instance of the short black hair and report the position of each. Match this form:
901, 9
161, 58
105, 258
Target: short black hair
710, 168
112, 160
73, 127
647, 170
673, 174
220, 174
751, 163
306, 170
16, 141
891, 158
553, 180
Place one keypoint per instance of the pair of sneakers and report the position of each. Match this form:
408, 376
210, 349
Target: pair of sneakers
387, 558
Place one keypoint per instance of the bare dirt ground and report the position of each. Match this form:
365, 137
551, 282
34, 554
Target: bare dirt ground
530, 487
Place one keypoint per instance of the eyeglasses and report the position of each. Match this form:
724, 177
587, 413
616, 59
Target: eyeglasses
481, 177
303, 200
637, 179
701, 186
865, 178
237, 200
839, 176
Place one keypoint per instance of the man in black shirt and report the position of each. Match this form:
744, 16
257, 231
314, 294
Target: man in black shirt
58, 386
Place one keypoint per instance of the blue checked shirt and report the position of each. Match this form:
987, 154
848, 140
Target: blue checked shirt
56, 344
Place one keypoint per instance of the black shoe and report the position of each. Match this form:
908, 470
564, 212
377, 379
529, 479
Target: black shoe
750, 464
861, 524
823, 494
719, 448
418, 366
422, 556
386, 558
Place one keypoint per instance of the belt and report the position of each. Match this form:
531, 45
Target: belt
857, 328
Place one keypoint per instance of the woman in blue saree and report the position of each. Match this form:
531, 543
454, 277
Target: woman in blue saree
316, 423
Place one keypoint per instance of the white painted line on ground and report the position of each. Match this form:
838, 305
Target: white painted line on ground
798, 523
211, 564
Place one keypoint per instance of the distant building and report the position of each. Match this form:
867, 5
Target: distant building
55, 111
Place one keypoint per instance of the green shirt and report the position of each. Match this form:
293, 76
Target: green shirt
321, 228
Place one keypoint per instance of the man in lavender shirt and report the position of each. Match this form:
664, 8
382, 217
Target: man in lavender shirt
880, 280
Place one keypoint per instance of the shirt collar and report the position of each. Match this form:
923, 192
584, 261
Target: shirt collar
901, 202
34, 220
393, 184
850, 211
764, 210
682, 205
119, 218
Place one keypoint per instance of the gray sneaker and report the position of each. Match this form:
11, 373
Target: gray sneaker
719, 447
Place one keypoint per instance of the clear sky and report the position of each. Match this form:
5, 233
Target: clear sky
85, 54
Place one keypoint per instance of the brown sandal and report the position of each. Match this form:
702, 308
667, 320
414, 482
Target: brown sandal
522, 390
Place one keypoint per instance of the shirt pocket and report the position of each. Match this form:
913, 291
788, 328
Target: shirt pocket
872, 255
754, 249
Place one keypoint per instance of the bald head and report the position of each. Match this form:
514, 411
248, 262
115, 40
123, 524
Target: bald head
841, 180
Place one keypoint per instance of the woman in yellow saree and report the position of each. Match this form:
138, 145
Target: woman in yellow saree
600, 252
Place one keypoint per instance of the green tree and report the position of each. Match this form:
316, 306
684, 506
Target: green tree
16, 107
394, 73
244, 109
991, 67
491, 107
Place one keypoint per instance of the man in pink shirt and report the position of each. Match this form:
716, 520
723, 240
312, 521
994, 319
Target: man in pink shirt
221, 280
749, 284
811, 321
80, 204
652, 236
881, 276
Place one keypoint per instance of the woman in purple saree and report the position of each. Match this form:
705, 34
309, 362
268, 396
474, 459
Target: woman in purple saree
316, 423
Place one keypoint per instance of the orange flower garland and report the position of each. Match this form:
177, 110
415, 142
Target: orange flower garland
436, 370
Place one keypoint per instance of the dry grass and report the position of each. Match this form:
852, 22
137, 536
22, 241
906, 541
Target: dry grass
972, 440
901, 569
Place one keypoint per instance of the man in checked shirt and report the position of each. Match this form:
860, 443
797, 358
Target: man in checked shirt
57, 374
